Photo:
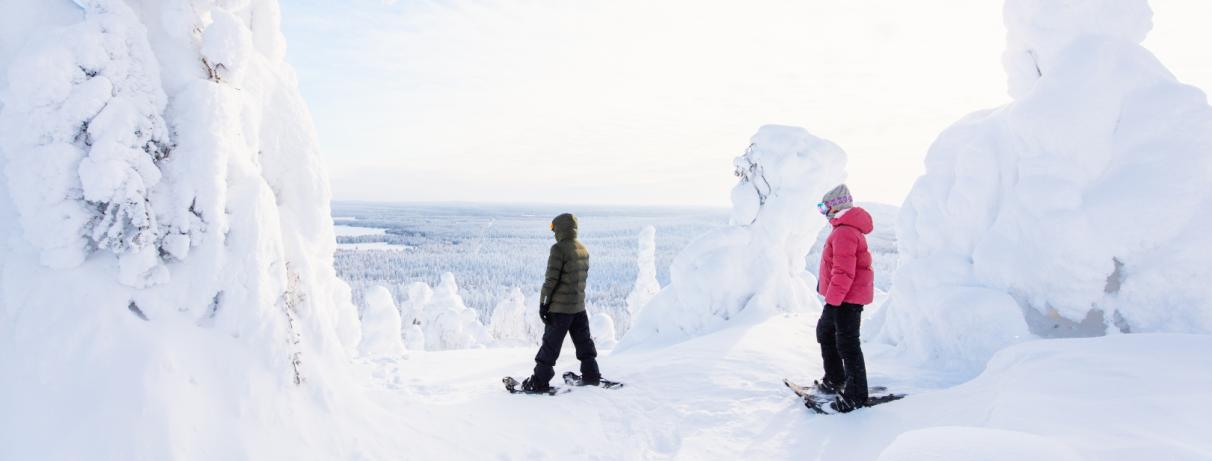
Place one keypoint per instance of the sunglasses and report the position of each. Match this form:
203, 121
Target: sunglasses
823, 208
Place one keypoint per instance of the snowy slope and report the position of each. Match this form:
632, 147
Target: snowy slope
719, 396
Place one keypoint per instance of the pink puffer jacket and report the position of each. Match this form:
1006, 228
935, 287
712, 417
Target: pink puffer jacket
846, 275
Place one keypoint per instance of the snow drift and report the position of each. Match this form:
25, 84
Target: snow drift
167, 246
755, 266
1078, 209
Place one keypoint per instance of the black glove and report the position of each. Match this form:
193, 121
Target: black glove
545, 314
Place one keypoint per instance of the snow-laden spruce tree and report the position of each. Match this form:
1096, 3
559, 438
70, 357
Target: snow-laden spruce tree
166, 248
509, 323
380, 325
412, 313
755, 267
1080, 208
448, 322
646, 285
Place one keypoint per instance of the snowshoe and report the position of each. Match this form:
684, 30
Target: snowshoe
514, 387
573, 379
819, 388
827, 404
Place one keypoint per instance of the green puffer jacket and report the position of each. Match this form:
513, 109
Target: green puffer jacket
568, 265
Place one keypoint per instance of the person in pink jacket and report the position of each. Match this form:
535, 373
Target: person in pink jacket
847, 283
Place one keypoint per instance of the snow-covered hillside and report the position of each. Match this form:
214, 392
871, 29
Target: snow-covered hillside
1076, 210
719, 396
167, 288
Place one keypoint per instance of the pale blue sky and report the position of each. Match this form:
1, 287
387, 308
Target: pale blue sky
647, 102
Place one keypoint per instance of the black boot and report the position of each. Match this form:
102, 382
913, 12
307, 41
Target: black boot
841, 404
529, 385
825, 387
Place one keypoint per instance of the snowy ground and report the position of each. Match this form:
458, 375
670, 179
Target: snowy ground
720, 397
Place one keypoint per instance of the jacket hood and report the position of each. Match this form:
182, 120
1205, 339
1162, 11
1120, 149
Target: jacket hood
857, 218
564, 226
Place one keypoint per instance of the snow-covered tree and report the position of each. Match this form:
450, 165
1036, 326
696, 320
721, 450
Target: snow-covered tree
510, 325
1078, 209
412, 312
601, 326
448, 323
380, 325
754, 267
646, 285
84, 132
168, 242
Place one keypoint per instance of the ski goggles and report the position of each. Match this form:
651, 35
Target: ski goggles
827, 205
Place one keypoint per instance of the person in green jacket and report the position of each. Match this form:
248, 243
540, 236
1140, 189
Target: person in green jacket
562, 308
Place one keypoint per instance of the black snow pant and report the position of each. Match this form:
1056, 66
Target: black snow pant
553, 339
838, 333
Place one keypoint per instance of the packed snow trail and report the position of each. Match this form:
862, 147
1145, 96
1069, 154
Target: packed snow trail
720, 396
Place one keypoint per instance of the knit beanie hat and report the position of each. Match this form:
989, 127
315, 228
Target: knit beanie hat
837, 200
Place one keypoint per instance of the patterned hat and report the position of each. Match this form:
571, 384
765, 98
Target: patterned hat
837, 200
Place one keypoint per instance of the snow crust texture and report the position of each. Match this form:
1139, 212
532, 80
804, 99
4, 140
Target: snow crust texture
167, 287
1075, 210
755, 266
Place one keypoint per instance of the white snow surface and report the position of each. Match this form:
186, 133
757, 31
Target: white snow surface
233, 339
756, 266
354, 231
381, 325
719, 396
1075, 210
167, 287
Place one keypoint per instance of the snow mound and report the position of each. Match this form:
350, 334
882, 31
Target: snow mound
601, 326
1108, 398
1075, 210
380, 325
944, 443
755, 266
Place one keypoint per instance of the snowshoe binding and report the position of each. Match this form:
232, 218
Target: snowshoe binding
573, 379
819, 401
525, 387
